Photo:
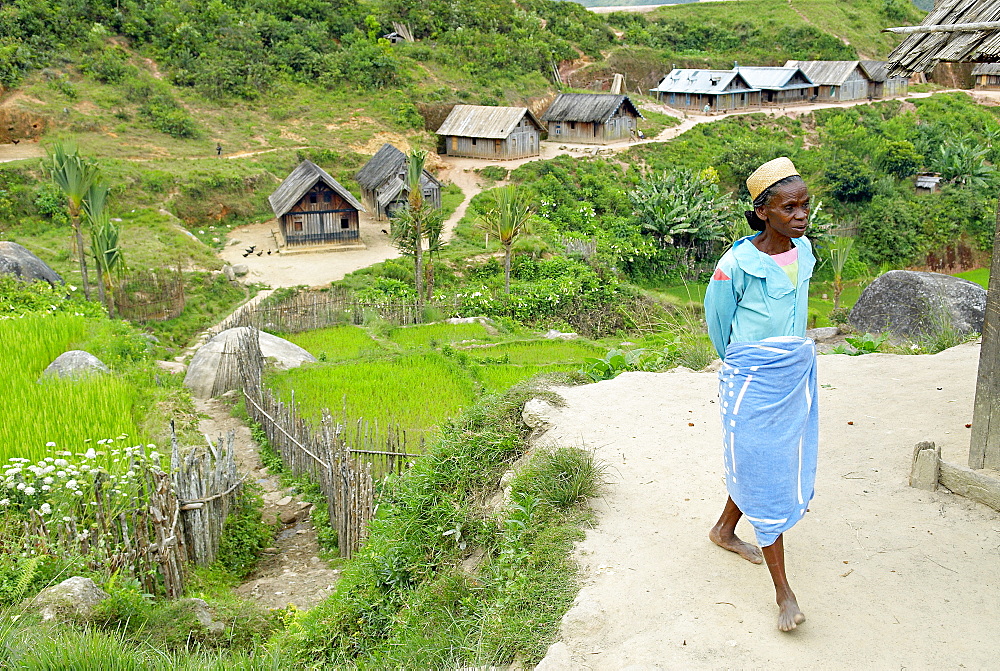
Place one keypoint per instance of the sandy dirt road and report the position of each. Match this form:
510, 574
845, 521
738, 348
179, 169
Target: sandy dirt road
888, 576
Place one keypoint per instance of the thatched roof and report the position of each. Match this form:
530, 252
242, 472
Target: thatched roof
480, 121
385, 165
945, 35
588, 107
826, 73
297, 184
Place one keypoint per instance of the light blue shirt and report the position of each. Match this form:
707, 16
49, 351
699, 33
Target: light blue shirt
750, 297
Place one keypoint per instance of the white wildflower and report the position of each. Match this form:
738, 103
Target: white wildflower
46, 509
4, 502
48, 481
71, 484
30, 491
21, 486
50, 444
90, 454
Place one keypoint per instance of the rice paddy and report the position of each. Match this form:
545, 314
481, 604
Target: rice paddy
429, 334
52, 410
499, 377
338, 343
537, 352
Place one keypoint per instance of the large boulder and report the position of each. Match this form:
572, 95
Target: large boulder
205, 364
75, 364
912, 303
73, 599
17, 260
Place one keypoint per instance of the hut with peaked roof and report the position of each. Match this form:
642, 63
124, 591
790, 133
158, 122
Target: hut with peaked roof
591, 118
835, 81
779, 85
692, 89
987, 76
498, 133
313, 208
383, 183
880, 84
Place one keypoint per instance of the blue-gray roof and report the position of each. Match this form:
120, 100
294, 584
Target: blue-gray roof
689, 80
774, 78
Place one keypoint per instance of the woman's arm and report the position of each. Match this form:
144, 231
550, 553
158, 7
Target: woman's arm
720, 305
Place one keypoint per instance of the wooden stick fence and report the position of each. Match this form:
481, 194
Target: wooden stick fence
321, 452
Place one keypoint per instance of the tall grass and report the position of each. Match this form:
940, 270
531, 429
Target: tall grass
416, 391
66, 412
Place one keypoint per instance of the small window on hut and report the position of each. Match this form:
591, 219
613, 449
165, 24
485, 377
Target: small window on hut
572, 125
473, 142
327, 197
345, 222
297, 223
312, 197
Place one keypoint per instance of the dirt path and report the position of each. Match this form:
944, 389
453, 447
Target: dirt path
889, 576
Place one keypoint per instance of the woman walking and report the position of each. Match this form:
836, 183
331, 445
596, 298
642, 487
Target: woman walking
756, 308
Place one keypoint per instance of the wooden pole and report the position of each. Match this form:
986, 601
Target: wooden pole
984, 451
945, 28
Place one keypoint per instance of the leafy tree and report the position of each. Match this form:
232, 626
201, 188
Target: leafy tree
75, 175
507, 219
963, 162
899, 158
850, 179
681, 209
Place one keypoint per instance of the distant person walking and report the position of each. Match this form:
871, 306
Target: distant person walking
218, 149
756, 308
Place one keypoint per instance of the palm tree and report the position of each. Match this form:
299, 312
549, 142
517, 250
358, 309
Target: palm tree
506, 220
104, 236
838, 252
416, 222
74, 175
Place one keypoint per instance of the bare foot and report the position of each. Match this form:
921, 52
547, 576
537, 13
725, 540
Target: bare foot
789, 615
732, 543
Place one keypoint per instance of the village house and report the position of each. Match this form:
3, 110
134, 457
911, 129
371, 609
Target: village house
835, 81
880, 84
987, 76
693, 89
313, 208
779, 85
591, 118
499, 133
383, 183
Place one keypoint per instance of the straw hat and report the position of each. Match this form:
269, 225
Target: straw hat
768, 174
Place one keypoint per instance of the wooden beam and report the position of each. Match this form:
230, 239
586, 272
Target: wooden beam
945, 28
981, 486
984, 449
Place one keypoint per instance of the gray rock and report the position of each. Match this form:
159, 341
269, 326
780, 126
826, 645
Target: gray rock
227, 270
73, 598
912, 303
19, 261
241, 269
75, 364
823, 333
204, 366
203, 613
536, 414
553, 334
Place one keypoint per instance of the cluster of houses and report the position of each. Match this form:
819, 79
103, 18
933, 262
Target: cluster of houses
796, 82
312, 208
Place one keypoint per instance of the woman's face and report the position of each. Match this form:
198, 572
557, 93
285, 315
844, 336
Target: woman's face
787, 213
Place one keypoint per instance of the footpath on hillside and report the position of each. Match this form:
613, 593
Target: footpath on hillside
888, 576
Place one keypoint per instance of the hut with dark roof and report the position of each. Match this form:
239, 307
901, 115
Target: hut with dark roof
987, 76
383, 183
880, 84
591, 118
835, 81
499, 133
313, 208
694, 89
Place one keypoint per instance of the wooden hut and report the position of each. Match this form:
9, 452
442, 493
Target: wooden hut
967, 31
383, 183
591, 118
880, 84
835, 81
313, 208
498, 133
987, 76
778, 85
693, 89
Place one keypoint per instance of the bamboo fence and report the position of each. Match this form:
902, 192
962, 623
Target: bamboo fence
322, 452
150, 295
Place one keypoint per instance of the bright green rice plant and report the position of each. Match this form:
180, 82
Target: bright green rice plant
415, 336
498, 378
536, 352
337, 343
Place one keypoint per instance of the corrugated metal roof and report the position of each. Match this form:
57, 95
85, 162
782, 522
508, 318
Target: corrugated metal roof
587, 107
297, 184
920, 52
392, 190
826, 73
987, 69
385, 164
877, 71
689, 80
773, 77
494, 123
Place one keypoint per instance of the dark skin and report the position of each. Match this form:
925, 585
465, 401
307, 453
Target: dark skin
785, 216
